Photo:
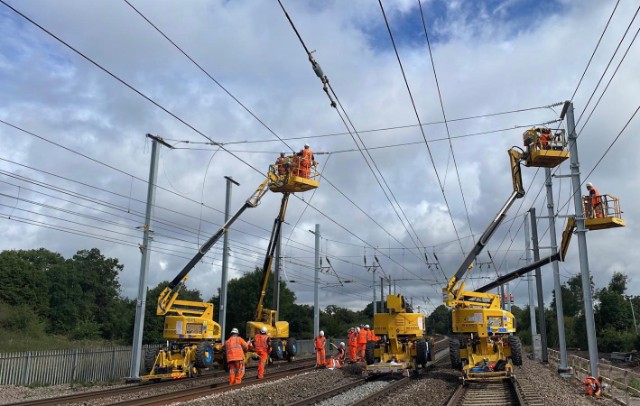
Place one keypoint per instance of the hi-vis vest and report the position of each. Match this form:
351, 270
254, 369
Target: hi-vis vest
235, 348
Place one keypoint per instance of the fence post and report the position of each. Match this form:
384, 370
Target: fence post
25, 373
613, 386
626, 387
113, 362
74, 374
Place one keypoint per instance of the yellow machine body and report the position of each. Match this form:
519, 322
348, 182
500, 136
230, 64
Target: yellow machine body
543, 152
284, 177
402, 346
485, 330
193, 337
290, 180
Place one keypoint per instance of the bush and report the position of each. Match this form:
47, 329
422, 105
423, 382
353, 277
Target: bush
20, 320
610, 340
85, 330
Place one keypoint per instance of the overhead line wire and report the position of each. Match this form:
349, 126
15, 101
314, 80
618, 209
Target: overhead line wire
209, 75
609, 64
326, 84
421, 128
444, 116
595, 49
151, 100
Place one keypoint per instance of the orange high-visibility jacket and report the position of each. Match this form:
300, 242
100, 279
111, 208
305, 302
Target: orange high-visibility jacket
371, 336
595, 196
319, 342
363, 336
235, 347
261, 342
307, 157
353, 338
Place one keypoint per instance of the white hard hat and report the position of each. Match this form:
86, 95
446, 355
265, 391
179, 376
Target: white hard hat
321, 333
358, 329
366, 326
589, 184
234, 331
263, 330
342, 345
306, 145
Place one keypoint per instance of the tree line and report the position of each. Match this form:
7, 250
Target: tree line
614, 312
44, 294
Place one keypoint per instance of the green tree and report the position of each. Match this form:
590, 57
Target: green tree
242, 299
439, 321
23, 282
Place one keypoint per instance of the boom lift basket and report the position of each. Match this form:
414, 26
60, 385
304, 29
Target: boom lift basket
544, 149
608, 215
292, 179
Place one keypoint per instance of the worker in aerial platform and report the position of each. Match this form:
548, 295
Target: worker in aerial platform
594, 206
306, 161
282, 164
235, 348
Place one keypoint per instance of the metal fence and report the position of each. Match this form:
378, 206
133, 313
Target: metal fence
80, 365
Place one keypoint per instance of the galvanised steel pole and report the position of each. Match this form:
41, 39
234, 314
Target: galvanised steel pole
582, 244
316, 302
556, 273
532, 304
225, 261
141, 302
539, 290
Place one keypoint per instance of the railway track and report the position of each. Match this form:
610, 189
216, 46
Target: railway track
190, 384
496, 393
441, 349
210, 389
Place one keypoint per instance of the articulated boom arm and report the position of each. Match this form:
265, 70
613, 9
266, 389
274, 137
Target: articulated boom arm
169, 295
268, 259
518, 192
558, 256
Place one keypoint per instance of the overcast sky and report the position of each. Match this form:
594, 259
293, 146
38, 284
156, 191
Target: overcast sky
75, 159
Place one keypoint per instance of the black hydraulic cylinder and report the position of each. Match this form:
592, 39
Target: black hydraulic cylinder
207, 246
518, 273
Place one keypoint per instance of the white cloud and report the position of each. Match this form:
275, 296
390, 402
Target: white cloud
250, 48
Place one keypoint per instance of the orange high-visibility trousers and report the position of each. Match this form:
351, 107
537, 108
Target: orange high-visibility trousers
263, 356
352, 352
321, 355
236, 372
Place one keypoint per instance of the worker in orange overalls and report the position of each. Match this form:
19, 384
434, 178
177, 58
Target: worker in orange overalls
352, 338
593, 386
371, 335
261, 344
320, 342
545, 137
282, 164
235, 347
362, 341
296, 170
595, 209
338, 359
306, 161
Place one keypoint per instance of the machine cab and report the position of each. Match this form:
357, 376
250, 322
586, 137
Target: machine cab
545, 148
